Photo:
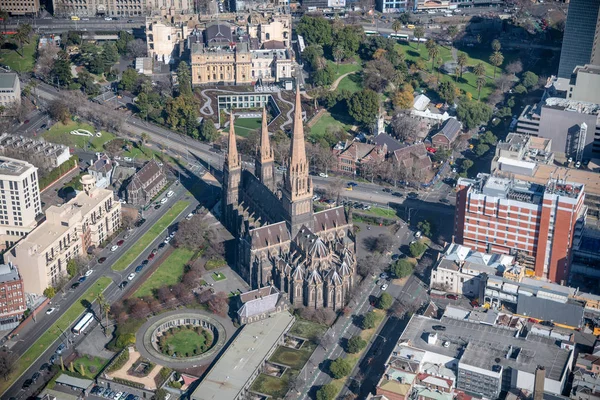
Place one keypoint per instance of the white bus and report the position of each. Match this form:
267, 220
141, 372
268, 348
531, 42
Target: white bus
399, 36
371, 33
83, 323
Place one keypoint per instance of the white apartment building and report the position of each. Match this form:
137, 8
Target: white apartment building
19, 200
69, 230
10, 89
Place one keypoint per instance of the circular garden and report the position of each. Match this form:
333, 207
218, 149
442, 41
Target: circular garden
185, 341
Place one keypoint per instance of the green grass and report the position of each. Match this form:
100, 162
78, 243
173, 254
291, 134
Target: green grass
243, 126
218, 276
352, 83
48, 337
307, 329
213, 264
15, 61
290, 357
318, 129
344, 68
89, 361
273, 386
59, 133
380, 212
156, 229
413, 53
168, 273
185, 341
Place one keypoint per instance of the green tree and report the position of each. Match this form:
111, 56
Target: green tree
72, 268
110, 55
461, 60
315, 30
356, 344
184, 79
402, 268
129, 80
418, 33
496, 46
49, 292
447, 91
327, 392
466, 165
434, 52
396, 26
123, 40
338, 55
385, 301
312, 54
488, 138
368, 320
425, 228
479, 69
472, 113
324, 76
496, 59
144, 139
480, 83
340, 368
19, 37
529, 79
417, 249
86, 80
208, 132
481, 149
452, 32
61, 71
404, 18
349, 38
520, 89
363, 106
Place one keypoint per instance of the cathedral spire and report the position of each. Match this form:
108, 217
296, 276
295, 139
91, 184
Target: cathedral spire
265, 153
233, 159
297, 149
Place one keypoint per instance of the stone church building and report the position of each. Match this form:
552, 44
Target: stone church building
280, 240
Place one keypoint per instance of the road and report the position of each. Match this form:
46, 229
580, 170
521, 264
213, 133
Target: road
63, 300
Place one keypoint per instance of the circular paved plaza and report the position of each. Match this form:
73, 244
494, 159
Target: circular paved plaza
147, 337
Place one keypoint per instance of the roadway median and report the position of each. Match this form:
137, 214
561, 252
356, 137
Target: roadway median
46, 340
140, 246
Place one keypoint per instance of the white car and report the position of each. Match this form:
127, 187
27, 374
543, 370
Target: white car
107, 18
128, 159
189, 216
418, 234
164, 200
167, 240
122, 201
131, 276
114, 248
384, 286
89, 272
383, 275
170, 193
323, 175
50, 310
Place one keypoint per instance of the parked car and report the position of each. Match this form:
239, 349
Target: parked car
82, 279
323, 175
387, 190
123, 285
120, 242
150, 256
154, 251
35, 377
383, 275
145, 262
170, 193
89, 272
438, 327
413, 195
397, 194
114, 248
61, 347
53, 359
27, 383
139, 268
189, 216
75, 285
161, 245
384, 286
50, 310
418, 234
140, 222
156, 207
101, 260
131, 276
44, 367
452, 296
164, 200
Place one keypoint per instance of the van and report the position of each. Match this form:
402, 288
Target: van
410, 26
74, 18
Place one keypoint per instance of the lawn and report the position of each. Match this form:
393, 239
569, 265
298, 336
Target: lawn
307, 329
156, 229
344, 68
96, 363
185, 341
290, 357
413, 53
48, 338
243, 126
352, 83
218, 276
381, 212
59, 133
168, 273
275, 387
327, 120
214, 264
14, 60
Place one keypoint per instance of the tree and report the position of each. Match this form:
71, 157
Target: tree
479, 69
396, 25
49, 292
418, 33
481, 149
338, 54
104, 309
110, 55
124, 39
129, 80
349, 38
86, 80
184, 79
434, 52
208, 132
312, 54
385, 301
380, 244
480, 83
520, 89
20, 37
218, 304
515, 67
45, 62
529, 79
137, 48
417, 249
193, 234
315, 30
76, 265
447, 91
327, 392
61, 70
59, 111
496, 60
461, 60
466, 164
7, 363
380, 73
340, 368
324, 76
425, 228
472, 113
404, 126
496, 46
452, 32
368, 320
488, 137
363, 106
356, 344
402, 268
404, 98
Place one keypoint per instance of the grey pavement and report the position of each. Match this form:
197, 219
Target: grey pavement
94, 343
231, 283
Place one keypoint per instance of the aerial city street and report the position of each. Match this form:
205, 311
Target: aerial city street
314, 200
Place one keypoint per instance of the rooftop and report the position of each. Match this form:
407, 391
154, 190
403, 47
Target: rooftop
270, 54
7, 80
544, 173
572, 105
451, 129
8, 273
457, 256
13, 167
230, 374
484, 346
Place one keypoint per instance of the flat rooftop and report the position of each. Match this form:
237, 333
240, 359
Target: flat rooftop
591, 180
7, 80
13, 167
236, 367
483, 345
8, 273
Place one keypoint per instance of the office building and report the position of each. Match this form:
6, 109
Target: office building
19, 200
20, 7
70, 230
10, 89
110, 8
392, 6
536, 223
480, 358
13, 302
580, 40
235, 370
42, 154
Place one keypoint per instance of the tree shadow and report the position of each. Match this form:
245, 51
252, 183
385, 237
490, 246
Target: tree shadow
413, 53
10, 46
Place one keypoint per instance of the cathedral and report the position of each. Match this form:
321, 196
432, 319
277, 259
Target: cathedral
280, 240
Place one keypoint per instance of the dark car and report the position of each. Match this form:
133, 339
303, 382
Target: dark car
129, 21
387, 190
75, 285
140, 222
53, 359
452, 296
61, 347
35, 377
438, 328
27, 383
101, 260
156, 207
161, 245
154, 251
145, 262
44, 126
120, 242
150, 256
139, 268
413, 195
445, 201
397, 194
45, 367
352, 184
123, 285
82, 279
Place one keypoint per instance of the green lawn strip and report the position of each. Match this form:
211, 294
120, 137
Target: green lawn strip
307, 329
156, 229
89, 361
14, 59
218, 276
273, 386
213, 264
60, 133
48, 338
344, 68
168, 273
290, 357
352, 83
326, 120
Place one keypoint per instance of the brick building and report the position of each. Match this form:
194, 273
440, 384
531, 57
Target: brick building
535, 223
352, 155
146, 183
12, 297
445, 138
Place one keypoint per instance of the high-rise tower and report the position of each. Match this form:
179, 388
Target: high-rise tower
265, 161
232, 169
297, 184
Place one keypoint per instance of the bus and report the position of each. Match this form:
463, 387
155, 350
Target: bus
399, 36
371, 33
83, 323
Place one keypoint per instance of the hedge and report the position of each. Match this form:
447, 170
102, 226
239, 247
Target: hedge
118, 361
129, 383
57, 172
